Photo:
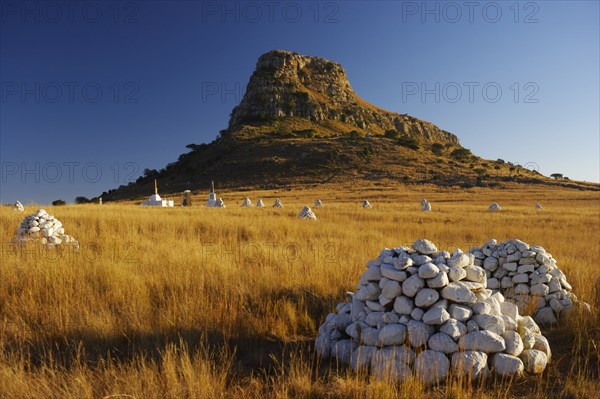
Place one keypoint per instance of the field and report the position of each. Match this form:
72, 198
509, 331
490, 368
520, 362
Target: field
201, 303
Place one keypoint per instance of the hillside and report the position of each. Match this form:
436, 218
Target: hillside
300, 123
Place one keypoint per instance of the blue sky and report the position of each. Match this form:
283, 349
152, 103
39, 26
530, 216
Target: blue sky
94, 92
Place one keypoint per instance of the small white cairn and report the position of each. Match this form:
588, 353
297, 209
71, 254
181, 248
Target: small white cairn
43, 227
247, 203
260, 203
366, 204
277, 204
494, 207
318, 203
219, 203
425, 206
19, 207
538, 206
307, 213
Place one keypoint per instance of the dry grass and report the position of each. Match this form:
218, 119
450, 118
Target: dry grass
196, 302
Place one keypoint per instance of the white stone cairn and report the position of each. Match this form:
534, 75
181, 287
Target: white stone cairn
409, 319
538, 206
219, 203
18, 207
494, 207
44, 228
307, 213
318, 203
425, 206
260, 203
246, 203
277, 204
366, 204
528, 276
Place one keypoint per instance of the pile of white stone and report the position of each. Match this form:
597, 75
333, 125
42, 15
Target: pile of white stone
426, 314
366, 204
318, 203
260, 203
494, 207
246, 203
219, 203
307, 213
18, 207
425, 205
528, 276
46, 228
538, 206
277, 204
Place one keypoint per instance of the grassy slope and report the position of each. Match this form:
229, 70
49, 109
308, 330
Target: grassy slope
196, 302
295, 152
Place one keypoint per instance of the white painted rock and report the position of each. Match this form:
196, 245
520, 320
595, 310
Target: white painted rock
534, 361
506, 365
483, 341
392, 335
471, 364
458, 292
424, 247
431, 367
442, 342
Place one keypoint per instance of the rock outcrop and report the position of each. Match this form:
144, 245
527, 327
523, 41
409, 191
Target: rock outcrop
285, 83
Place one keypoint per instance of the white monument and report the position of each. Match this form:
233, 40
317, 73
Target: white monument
260, 203
155, 199
212, 196
277, 204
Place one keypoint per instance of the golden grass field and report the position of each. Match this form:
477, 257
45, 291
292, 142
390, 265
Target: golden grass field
203, 303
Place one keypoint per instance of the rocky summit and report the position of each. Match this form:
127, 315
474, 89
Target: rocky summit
287, 84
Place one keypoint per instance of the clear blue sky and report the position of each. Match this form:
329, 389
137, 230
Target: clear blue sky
94, 92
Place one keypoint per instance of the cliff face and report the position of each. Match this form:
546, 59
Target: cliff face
286, 84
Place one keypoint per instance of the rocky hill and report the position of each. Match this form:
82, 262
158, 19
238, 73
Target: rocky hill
300, 123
